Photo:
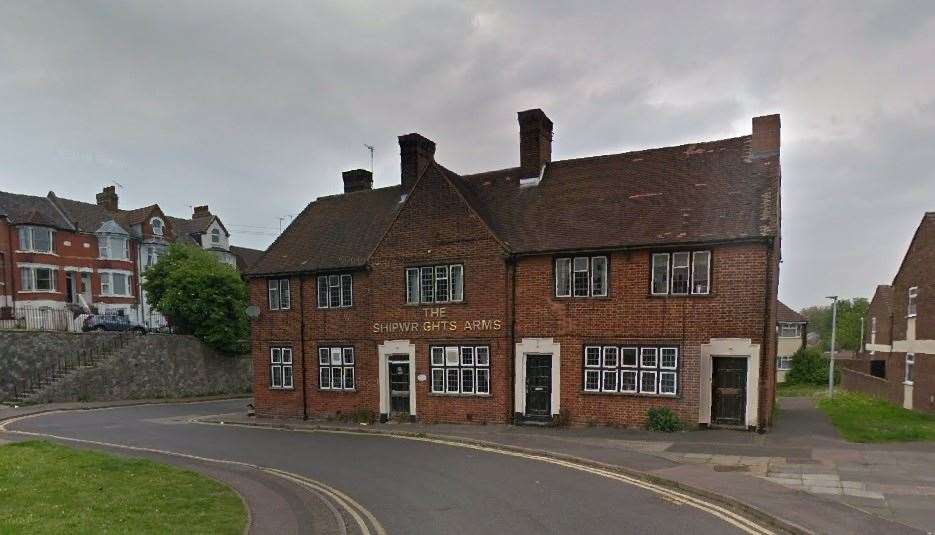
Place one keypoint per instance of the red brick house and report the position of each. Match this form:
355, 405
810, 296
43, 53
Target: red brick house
898, 359
590, 289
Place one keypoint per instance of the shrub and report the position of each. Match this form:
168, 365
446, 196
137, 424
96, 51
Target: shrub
810, 366
664, 420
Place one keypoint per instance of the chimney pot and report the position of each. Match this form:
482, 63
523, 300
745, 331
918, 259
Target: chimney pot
535, 141
765, 139
416, 152
357, 180
107, 198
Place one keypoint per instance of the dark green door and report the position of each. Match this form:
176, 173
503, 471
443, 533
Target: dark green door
729, 396
539, 386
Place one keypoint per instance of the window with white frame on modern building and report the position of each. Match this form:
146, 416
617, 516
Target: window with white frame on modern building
681, 273
38, 279
581, 276
435, 284
631, 369
910, 364
280, 367
336, 368
113, 247
335, 291
36, 239
787, 330
912, 302
157, 225
279, 296
784, 362
461, 370
116, 284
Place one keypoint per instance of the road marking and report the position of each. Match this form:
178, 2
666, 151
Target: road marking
362, 517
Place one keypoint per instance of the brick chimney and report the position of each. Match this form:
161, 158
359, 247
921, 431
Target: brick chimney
765, 140
107, 199
535, 141
415, 154
201, 211
357, 180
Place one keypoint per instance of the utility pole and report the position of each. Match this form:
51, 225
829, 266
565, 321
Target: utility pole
834, 326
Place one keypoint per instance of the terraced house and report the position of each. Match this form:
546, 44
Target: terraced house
586, 290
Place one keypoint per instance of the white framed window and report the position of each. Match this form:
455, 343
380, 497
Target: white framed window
581, 276
592, 380
610, 356
36, 239
681, 273
631, 369
609, 384
647, 382
667, 383
215, 235
280, 368
38, 279
435, 284
335, 291
784, 362
113, 247
592, 357
873, 325
790, 330
910, 365
116, 284
460, 369
628, 381
280, 296
157, 225
336, 368
912, 302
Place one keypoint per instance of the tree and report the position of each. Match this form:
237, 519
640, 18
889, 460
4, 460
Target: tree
850, 312
200, 296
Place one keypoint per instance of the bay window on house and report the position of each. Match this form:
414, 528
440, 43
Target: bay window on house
631, 370
38, 279
116, 284
280, 368
279, 296
435, 284
335, 291
581, 276
113, 247
336, 368
681, 273
461, 370
36, 239
912, 302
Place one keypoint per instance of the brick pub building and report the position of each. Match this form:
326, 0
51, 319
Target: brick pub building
589, 289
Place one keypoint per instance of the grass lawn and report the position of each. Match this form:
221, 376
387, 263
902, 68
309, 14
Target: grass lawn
791, 390
862, 418
46, 488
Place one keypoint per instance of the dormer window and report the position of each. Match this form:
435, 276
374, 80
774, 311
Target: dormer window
157, 225
36, 239
215, 235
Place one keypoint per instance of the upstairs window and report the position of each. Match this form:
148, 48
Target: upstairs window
912, 301
36, 239
681, 273
280, 297
873, 325
435, 284
215, 235
335, 291
113, 247
157, 226
790, 329
581, 276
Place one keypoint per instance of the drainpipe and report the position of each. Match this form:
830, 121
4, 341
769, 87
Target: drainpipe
302, 346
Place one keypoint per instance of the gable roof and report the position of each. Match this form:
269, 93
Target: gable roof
87, 217
32, 209
784, 314
884, 296
696, 193
927, 224
245, 256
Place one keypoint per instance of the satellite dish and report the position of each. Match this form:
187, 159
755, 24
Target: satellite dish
253, 312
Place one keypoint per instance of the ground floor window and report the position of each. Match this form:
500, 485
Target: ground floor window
784, 362
461, 370
910, 364
336, 368
280, 371
631, 369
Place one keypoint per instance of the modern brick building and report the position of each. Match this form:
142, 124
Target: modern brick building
589, 289
898, 359
790, 334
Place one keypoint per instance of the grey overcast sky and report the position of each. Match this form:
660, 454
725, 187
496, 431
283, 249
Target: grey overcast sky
256, 107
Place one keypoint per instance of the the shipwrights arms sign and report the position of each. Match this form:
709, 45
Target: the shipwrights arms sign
436, 320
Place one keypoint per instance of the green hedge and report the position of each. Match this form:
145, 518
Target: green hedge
810, 366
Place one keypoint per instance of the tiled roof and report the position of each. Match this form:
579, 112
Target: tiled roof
245, 256
784, 314
23, 209
333, 232
184, 229
88, 217
702, 192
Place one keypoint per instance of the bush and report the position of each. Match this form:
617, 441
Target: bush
664, 420
810, 366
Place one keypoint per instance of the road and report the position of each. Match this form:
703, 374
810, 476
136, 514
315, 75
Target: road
410, 487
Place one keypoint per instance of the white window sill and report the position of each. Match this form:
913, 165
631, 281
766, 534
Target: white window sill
282, 388
50, 253
115, 295
114, 259
908, 383
38, 292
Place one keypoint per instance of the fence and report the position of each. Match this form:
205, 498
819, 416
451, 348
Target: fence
39, 319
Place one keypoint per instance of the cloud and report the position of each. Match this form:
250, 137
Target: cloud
256, 108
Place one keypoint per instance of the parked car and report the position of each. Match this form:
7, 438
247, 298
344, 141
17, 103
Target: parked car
111, 322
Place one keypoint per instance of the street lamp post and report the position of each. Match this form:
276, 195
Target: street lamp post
834, 326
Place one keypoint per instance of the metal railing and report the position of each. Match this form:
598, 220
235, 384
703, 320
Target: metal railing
39, 319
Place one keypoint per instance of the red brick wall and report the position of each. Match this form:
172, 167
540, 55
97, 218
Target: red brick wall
916, 270
6, 267
858, 381
879, 309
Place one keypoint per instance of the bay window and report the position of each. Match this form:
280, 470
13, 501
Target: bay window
435, 284
113, 247
581, 276
681, 273
36, 239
